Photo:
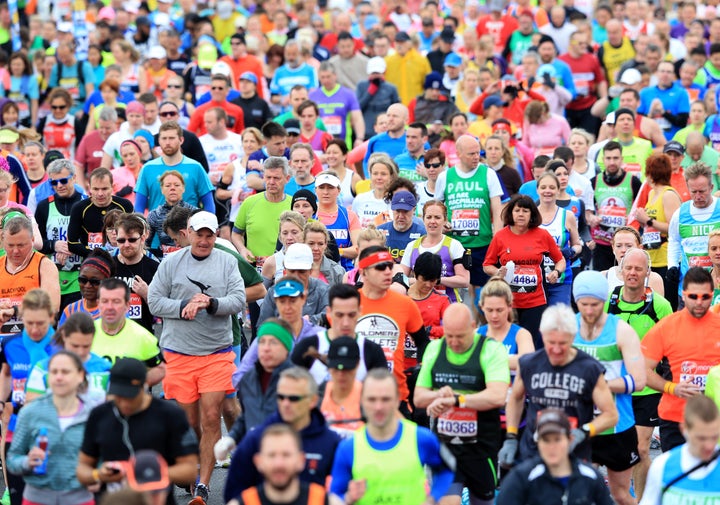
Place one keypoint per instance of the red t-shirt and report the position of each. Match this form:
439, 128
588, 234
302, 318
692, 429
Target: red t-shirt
90, 153
500, 29
527, 252
587, 74
249, 63
236, 117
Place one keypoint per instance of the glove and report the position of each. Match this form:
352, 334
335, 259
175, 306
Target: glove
223, 447
673, 274
547, 81
568, 253
531, 81
506, 456
579, 437
125, 191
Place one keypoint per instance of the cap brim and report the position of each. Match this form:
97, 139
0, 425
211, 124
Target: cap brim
124, 390
343, 364
403, 206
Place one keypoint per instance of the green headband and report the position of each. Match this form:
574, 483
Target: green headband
10, 215
277, 331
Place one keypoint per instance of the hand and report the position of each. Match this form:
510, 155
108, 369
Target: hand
686, 389
446, 392
578, 437
36, 456
493, 88
373, 88
61, 258
641, 216
502, 272
61, 247
594, 221
440, 405
201, 299
6, 314
591, 244
356, 490
111, 471
190, 310
506, 456
547, 81
553, 277
223, 447
140, 287
673, 274
421, 170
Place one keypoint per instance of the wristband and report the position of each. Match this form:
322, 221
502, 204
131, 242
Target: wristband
512, 430
669, 388
590, 429
650, 222
96, 475
15, 311
461, 401
629, 383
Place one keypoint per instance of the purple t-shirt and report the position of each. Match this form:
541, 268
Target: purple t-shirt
335, 109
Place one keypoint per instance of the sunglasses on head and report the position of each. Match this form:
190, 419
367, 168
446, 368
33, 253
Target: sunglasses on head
694, 296
132, 240
63, 181
433, 165
383, 266
290, 398
92, 282
168, 114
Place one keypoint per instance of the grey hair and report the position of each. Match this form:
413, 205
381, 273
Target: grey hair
560, 318
108, 114
113, 66
326, 66
534, 55
58, 166
35, 143
698, 169
297, 373
301, 145
291, 43
17, 224
275, 162
385, 160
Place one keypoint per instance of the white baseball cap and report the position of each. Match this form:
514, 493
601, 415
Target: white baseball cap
298, 257
204, 219
376, 65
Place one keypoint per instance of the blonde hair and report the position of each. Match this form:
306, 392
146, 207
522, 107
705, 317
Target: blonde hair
290, 216
371, 234
385, 160
315, 227
37, 299
497, 287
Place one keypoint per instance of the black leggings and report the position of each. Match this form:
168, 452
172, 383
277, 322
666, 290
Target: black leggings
530, 320
15, 483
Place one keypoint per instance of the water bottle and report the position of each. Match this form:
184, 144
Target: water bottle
510, 273
42, 443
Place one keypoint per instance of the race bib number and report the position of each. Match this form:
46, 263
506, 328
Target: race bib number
613, 216
458, 424
259, 262
333, 125
466, 220
524, 280
167, 249
95, 240
135, 310
695, 372
633, 168
651, 239
71, 85
699, 261
18, 391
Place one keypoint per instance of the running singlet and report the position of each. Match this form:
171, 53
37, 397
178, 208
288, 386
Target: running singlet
613, 203
14, 287
694, 237
468, 204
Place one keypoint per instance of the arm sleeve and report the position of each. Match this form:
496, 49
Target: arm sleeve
268, 308
513, 490
494, 362
424, 377
493, 182
17, 455
41, 215
679, 120
234, 300
246, 364
653, 485
75, 243
342, 468
242, 473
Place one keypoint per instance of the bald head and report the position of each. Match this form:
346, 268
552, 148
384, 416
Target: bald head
636, 255
397, 116
465, 142
458, 320
694, 145
468, 151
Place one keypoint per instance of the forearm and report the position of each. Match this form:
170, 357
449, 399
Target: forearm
156, 374
654, 381
514, 409
424, 396
459, 280
605, 421
489, 399
183, 473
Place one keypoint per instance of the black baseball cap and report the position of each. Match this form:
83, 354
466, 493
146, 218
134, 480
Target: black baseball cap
51, 156
127, 377
674, 146
553, 421
344, 354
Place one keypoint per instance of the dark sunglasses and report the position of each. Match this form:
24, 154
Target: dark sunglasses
63, 181
218, 88
290, 398
132, 240
168, 114
58, 107
174, 86
92, 282
383, 266
694, 296
433, 165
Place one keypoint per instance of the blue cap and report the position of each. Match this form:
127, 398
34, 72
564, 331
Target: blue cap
147, 136
452, 60
493, 101
403, 200
590, 284
289, 287
249, 76
433, 80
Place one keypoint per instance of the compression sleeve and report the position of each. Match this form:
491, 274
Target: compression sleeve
208, 202
342, 468
141, 202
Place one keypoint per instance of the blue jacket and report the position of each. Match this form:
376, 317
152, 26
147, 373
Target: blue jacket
63, 447
319, 444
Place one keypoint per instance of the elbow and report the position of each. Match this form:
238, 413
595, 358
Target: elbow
640, 381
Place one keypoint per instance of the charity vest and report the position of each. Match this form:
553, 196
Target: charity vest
459, 425
558, 231
653, 240
448, 267
340, 229
56, 229
13, 287
604, 348
346, 418
394, 475
60, 136
689, 491
635, 155
694, 237
468, 205
613, 204
614, 57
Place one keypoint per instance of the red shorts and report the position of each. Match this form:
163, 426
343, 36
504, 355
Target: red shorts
187, 377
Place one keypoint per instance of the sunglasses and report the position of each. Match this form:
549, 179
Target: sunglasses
92, 282
132, 240
694, 296
383, 266
433, 165
290, 398
58, 107
218, 88
174, 86
168, 114
63, 181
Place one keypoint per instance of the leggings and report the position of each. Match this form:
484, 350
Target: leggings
530, 320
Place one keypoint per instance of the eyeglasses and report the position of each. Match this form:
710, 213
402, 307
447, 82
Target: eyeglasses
290, 398
63, 181
58, 107
132, 240
218, 88
168, 114
433, 165
694, 296
174, 86
383, 266
87, 280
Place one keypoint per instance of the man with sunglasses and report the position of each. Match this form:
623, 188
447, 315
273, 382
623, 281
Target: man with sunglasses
220, 87
690, 340
191, 146
53, 217
389, 318
135, 267
297, 406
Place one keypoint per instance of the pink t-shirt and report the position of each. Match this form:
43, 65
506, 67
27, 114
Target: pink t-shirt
543, 138
123, 177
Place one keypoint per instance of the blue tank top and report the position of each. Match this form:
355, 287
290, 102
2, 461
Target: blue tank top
340, 229
690, 491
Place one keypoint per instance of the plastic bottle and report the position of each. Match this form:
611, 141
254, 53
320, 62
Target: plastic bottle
42, 443
510, 271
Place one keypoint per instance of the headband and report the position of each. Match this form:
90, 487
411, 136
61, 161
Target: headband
132, 143
10, 215
374, 259
276, 330
98, 265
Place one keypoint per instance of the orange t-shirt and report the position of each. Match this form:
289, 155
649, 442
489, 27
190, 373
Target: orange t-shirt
387, 322
692, 347
345, 417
